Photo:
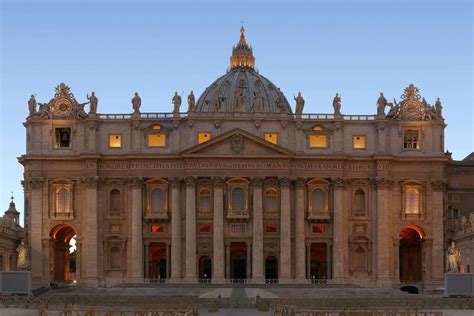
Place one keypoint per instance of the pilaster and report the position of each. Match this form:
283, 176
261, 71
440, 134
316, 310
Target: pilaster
339, 185
300, 261
175, 228
285, 230
218, 261
36, 248
257, 241
190, 229
136, 185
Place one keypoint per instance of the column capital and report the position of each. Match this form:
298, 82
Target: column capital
135, 182
257, 181
285, 181
437, 184
90, 182
175, 181
300, 182
382, 183
190, 181
217, 181
36, 183
339, 183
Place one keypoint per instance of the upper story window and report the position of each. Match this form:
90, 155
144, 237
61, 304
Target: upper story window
62, 198
62, 137
317, 200
157, 201
455, 213
270, 200
412, 198
318, 138
115, 202
115, 141
203, 137
358, 142
271, 137
204, 200
62, 201
411, 139
238, 197
359, 203
156, 137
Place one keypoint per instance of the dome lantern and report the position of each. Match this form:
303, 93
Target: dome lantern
242, 55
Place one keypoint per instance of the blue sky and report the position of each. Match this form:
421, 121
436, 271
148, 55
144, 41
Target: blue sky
356, 48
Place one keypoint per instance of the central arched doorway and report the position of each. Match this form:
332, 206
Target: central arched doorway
238, 260
410, 254
271, 268
63, 253
205, 267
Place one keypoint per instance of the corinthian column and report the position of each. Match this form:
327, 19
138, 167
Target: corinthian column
137, 230
437, 247
218, 259
285, 230
257, 241
175, 228
383, 245
190, 229
300, 258
90, 243
338, 229
35, 185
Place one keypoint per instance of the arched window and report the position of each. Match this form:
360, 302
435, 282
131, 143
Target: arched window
205, 200
317, 200
115, 202
270, 200
412, 201
238, 199
62, 201
359, 198
115, 258
157, 201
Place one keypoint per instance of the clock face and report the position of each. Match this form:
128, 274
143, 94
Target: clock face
63, 107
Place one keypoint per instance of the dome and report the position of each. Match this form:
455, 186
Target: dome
242, 88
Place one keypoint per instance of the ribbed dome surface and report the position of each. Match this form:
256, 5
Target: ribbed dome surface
242, 89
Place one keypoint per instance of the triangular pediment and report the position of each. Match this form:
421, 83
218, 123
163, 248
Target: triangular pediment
237, 142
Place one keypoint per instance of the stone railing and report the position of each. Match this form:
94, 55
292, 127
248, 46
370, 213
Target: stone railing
170, 116
282, 310
110, 311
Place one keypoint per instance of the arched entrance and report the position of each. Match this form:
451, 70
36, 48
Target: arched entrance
318, 261
410, 254
238, 260
157, 263
63, 253
205, 267
271, 268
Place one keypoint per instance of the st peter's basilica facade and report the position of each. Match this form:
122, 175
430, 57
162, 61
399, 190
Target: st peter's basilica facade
237, 188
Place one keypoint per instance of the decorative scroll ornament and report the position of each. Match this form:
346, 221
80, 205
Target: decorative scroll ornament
63, 105
413, 107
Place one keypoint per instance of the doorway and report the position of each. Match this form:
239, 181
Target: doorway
410, 254
205, 267
271, 268
318, 261
157, 263
238, 260
63, 253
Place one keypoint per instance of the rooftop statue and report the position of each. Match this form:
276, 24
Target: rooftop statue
453, 258
257, 102
176, 102
381, 104
32, 105
438, 109
22, 260
394, 109
93, 103
191, 102
136, 103
336, 104
299, 104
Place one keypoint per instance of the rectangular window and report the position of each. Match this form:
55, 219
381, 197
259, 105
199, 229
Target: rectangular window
317, 141
455, 213
203, 137
115, 141
358, 142
271, 137
455, 198
271, 228
204, 228
411, 139
156, 140
62, 137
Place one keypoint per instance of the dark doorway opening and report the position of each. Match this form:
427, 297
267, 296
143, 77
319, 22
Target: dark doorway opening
205, 267
63, 254
318, 261
410, 255
238, 260
271, 268
157, 263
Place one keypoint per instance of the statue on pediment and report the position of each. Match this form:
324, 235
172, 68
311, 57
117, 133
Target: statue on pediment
176, 102
438, 108
93, 103
336, 104
32, 105
299, 104
191, 102
136, 103
381, 104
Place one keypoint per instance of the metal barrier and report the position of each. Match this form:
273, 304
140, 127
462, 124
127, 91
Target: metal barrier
112, 311
296, 311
